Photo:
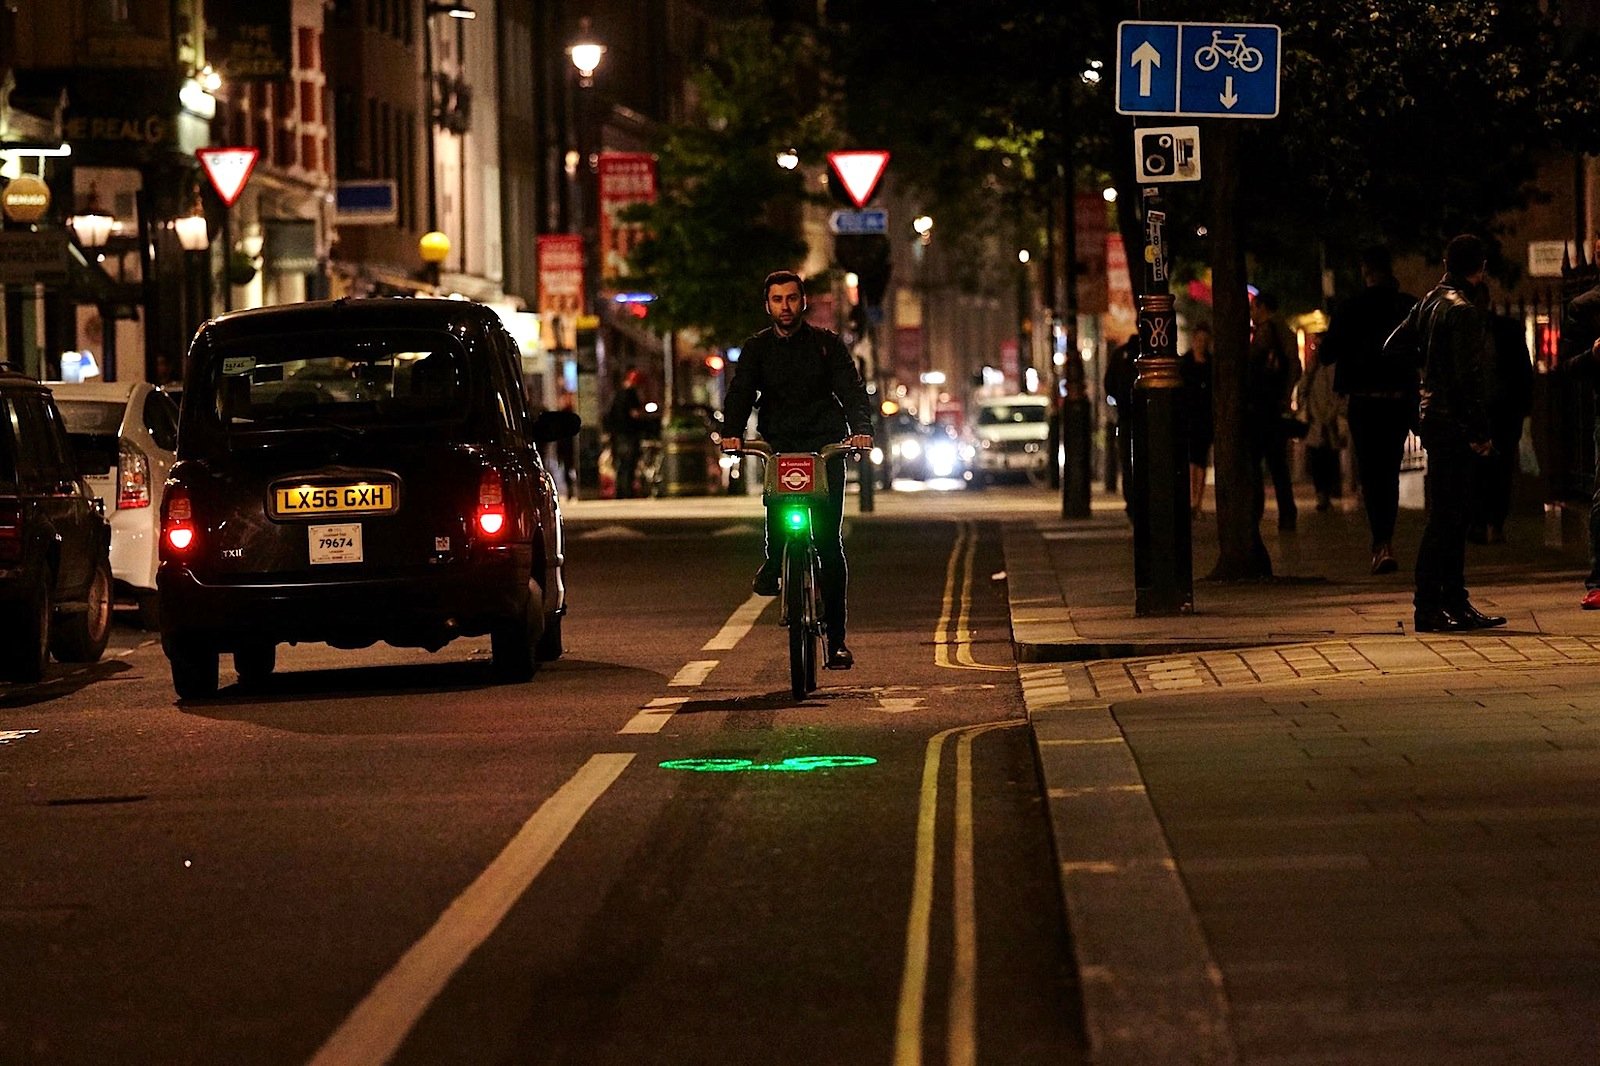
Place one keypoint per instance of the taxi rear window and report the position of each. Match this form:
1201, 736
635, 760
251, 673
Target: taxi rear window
343, 380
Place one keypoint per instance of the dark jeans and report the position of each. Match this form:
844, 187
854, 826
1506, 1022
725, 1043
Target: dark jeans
827, 531
1494, 487
1442, 555
625, 457
1378, 428
1323, 464
1267, 445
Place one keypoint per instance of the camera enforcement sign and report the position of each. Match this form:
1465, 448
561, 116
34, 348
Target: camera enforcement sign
1166, 153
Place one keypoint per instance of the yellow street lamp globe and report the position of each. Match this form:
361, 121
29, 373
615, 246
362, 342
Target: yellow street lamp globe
434, 247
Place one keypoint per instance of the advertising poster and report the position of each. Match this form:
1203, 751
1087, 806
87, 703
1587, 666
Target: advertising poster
560, 289
626, 178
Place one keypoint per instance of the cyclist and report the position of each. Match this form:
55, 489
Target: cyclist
805, 387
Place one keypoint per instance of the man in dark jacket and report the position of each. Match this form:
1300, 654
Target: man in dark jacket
1272, 370
1451, 333
1382, 392
1580, 358
807, 392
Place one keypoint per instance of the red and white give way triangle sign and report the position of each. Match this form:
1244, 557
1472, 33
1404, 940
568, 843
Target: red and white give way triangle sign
859, 171
228, 169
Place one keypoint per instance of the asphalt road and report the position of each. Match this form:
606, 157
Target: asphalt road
649, 853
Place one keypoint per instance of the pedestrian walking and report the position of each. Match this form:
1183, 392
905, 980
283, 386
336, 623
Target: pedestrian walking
1327, 432
625, 423
566, 449
1381, 390
1272, 372
1450, 333
1119, 377
1513, 400
1580, 360
1195, 367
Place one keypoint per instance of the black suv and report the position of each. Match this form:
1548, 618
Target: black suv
358, 471
55, 542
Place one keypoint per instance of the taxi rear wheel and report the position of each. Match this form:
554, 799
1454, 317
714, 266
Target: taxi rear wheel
254, 663
194, 665
514, 644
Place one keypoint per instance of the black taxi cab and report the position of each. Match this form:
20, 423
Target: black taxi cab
358, 471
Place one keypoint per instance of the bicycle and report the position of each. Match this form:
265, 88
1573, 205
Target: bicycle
794, 482
1239, 55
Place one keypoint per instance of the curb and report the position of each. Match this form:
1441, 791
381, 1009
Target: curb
1152, 993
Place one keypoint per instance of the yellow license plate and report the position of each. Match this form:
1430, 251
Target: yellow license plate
362, 497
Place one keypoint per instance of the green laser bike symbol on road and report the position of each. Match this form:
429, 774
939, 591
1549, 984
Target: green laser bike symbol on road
798, 764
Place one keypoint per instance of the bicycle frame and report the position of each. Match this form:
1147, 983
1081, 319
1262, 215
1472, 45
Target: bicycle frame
792, 483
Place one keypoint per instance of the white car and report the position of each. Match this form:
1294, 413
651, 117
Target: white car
124, 435
1011, 436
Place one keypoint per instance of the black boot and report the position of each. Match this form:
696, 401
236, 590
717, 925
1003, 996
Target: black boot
766, 579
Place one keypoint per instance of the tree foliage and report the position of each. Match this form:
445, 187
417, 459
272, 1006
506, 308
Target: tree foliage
726, 214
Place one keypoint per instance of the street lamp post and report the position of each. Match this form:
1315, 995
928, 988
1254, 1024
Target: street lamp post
586, 54
430, 77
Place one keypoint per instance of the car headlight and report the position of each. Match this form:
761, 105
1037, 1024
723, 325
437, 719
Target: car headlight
968, 451
942, 459
877, 455
910, 448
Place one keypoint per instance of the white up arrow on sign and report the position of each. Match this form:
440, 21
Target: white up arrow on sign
1145, 57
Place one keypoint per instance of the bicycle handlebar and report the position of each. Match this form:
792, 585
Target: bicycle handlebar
766, 451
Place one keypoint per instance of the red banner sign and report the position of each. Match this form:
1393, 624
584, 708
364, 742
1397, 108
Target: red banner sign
626, 178
560, 289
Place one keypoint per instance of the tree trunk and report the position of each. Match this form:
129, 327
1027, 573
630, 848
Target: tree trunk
1241, 553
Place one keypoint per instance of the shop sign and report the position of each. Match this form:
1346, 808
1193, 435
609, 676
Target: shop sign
33, 258
626, 178
26, 199
250, 42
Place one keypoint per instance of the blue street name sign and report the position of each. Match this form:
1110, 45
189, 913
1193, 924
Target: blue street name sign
1198, 69
857, 223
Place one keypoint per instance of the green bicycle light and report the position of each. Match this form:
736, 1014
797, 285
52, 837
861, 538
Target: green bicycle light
797, 519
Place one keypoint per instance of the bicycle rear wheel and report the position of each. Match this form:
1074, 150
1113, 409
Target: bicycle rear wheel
797, 592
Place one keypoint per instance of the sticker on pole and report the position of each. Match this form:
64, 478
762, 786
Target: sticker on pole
228, 169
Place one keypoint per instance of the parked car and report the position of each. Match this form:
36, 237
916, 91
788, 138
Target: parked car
125, 435
359, 471
55, 563
1011, 436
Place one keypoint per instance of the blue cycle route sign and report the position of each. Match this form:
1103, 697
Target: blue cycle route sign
1198, 69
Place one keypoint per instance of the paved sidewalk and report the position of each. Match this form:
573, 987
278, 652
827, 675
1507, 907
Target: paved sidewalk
1291, 830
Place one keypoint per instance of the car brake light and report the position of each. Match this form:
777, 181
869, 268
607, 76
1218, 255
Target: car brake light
10, 531
491, 503
133, 483
177, 521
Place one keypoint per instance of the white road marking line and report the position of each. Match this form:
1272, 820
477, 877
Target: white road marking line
653, 715
898, 704
375, 1029
738, 624
693, 673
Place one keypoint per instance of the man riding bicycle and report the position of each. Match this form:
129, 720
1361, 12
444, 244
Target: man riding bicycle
807, 392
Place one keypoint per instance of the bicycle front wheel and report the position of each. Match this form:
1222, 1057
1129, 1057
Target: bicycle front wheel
802, 635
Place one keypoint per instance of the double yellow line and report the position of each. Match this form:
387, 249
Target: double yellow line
952, 638
962, 1013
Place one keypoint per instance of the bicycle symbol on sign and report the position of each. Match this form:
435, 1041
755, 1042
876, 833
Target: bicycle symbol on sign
1239, 55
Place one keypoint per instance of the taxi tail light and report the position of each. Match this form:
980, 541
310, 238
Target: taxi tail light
491, 503
133, 481
10, 531
177, 522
